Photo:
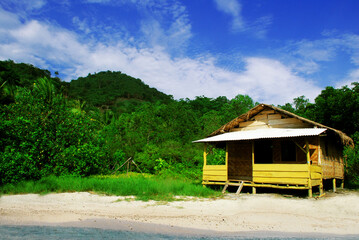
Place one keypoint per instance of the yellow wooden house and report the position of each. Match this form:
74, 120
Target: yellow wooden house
273, 148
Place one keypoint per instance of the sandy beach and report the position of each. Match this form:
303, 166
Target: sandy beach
333, 214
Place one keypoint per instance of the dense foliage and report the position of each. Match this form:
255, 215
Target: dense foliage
93, 125
40, 135
114, 90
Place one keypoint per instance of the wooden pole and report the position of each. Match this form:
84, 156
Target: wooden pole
137, 166
321, 187
253, 188
252, 156
128, 166
334, 185
310, 190
205, 155
227, 161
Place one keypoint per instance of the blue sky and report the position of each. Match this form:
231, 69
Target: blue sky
272, 50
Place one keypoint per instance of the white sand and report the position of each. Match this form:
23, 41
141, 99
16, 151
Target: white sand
337, 214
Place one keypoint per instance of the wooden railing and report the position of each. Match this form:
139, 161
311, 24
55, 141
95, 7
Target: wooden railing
215, 173
291, 174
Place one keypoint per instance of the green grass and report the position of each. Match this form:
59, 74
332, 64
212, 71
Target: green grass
142, 187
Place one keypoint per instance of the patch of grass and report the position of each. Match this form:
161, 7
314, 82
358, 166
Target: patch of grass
142, 187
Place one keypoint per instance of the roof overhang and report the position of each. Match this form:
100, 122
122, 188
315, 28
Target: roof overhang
264, 134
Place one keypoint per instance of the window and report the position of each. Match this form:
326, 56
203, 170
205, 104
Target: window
263, 151
288, 151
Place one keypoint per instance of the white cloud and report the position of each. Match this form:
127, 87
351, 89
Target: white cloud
8, 20
82, 25
23, 7
39, 43
320, 50
257, 28
166, 25
308, 56
163, 24
353, 76
33, 4
232, 8
48, 46
268, 80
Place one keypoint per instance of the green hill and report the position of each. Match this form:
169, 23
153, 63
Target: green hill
114, 90
105, 90
23, 74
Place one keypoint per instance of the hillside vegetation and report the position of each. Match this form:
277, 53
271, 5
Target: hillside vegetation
114, 90
92, 125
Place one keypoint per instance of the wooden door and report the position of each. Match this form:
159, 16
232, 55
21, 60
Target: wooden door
240, 161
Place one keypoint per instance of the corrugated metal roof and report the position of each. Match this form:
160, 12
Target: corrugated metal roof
264, 133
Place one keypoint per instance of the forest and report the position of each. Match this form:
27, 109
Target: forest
92, 125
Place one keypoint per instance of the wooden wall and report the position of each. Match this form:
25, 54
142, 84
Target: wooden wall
270, 119
331, 158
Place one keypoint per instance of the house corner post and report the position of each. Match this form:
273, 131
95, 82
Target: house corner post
226, 161
205, 155
310, 190
254, 191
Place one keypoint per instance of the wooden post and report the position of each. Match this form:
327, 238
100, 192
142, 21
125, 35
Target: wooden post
227, 155
252, 156
334, 185
240, 188
225, 187
321, 186
204, 159
319, 153
128, 167
321, 189
253, 188
310, 190
226, 161
205, 155
342, 184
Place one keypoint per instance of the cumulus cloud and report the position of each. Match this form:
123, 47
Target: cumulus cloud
45, 45
269, 80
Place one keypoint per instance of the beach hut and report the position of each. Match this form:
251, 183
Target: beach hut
273, 148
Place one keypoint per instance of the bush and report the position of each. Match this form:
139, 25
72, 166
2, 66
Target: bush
352, 162
40, 136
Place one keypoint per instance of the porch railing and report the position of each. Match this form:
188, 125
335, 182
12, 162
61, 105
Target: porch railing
291, 174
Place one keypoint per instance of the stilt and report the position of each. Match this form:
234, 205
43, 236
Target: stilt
342, 184
225, 187
254, 190
240, 188
310, 192
321, 189
334, 185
